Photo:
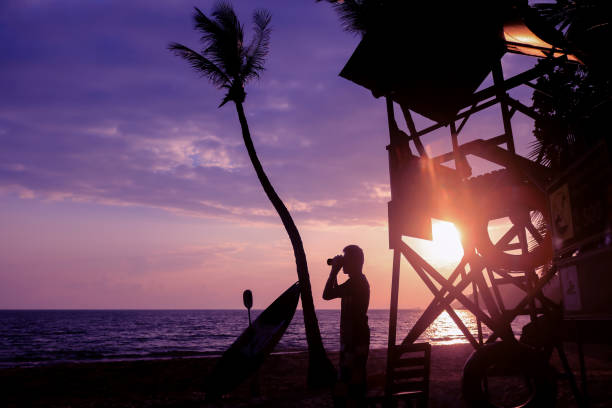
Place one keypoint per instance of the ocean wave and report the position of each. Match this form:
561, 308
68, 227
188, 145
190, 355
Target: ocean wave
48, 337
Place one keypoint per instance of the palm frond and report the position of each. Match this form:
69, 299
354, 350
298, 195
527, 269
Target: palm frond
540, 152
227, 19
221, 37
201, 64
578, 16
225, 59
257, 50
358, 16
559, 14
227, 50
210, 30
225, 100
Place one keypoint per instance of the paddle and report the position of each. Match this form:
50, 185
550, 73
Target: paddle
247, 298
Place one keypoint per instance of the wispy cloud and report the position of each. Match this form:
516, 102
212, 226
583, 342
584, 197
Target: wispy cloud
112, 117
123, 122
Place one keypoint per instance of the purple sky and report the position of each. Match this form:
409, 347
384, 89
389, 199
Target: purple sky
123, 186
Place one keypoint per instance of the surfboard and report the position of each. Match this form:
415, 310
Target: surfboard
250, 349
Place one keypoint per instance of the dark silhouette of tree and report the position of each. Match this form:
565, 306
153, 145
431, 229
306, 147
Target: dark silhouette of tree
574, 101
358, 16
586, 26
229, 63
574, 105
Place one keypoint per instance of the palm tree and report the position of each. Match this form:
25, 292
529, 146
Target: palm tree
586, 26
229, 63
574, 101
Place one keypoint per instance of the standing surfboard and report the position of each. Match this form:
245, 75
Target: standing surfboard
248, 352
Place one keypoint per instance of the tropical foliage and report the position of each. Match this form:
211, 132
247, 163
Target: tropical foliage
225, 60
358, 16
574, 101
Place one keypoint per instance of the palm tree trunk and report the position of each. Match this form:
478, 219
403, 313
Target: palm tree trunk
320, 370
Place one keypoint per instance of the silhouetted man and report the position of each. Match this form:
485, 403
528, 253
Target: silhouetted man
354, 330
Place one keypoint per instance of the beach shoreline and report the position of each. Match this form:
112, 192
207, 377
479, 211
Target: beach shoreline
282, 381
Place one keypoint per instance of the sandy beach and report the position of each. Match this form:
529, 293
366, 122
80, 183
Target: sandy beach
179, 382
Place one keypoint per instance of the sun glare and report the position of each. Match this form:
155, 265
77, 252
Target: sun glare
447, 241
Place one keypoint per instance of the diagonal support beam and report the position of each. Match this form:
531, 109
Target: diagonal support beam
498, 80
451, 312
510, 316
434, 309
413, 131
454, 292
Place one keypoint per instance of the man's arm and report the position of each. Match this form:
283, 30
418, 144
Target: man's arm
331, 286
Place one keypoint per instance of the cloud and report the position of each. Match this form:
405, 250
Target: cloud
105, 114
379, 191
302, 206
96, 109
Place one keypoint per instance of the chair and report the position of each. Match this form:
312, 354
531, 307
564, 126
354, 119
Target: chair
407, 380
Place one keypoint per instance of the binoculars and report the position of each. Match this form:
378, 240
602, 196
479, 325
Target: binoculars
330, 260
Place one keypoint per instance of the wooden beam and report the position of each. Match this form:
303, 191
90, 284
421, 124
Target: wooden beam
505, 158
518, 282
431, 312
496, 292
491, 91
461, 164
413, 132
394, 299
535, 291
478, 322
392, 318
527, 110
500, 92
455, 292
448, 308
538, 89
446, 157
517, 80
459, 116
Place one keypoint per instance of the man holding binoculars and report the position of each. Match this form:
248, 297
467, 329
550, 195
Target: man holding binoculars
354, 329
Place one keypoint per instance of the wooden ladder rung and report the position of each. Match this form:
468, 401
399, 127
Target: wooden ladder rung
410, 362
412, 373
405, 387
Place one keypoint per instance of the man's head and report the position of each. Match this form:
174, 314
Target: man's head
353, 260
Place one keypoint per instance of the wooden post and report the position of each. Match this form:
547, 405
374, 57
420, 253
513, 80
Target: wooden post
392, 319
391, 121
496, 292
393, 238
394, 298
461, 163
498, 81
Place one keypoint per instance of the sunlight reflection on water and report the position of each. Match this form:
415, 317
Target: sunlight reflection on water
445, 331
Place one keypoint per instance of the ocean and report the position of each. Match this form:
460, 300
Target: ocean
35, 337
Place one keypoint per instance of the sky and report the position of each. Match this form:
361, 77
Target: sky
122, 185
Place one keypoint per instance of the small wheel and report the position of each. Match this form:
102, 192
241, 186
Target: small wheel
524, 208
514, 366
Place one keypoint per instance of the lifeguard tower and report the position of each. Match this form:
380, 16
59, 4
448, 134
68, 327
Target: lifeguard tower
431, 58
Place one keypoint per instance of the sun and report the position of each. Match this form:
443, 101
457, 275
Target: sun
446, 241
